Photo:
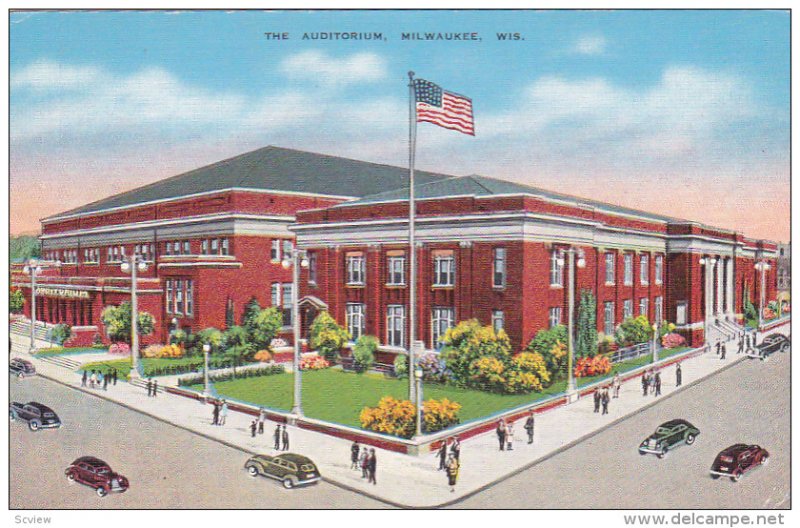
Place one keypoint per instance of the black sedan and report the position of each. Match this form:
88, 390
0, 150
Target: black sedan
292, 470
770, 344
37, 415
737, 460
667, 436
21, 367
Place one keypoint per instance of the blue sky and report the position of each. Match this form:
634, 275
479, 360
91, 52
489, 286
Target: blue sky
616, 105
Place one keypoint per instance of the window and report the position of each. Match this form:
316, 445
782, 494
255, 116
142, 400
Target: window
189, 297
215, 246
288, 301
204, 247
275, 252
312, 267
659, 310
356, 320
356, 268
498, 320
178, 296
554, 318
396, 268
224, 249
444, 268
168, 248
680, 313
659, 269
608, 318
288, 246
91, 255
627, 263
276, 294
176, 248
556, 270
395, 324
441, 320
627, 309
643, 305
610, 271
644, 269
499, 272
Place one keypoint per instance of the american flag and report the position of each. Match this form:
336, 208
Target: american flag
443, 108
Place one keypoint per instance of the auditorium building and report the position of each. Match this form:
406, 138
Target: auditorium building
214, 238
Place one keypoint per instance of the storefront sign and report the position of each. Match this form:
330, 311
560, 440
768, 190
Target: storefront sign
62, 293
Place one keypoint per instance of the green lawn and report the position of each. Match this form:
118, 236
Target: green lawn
61, 351
123, 365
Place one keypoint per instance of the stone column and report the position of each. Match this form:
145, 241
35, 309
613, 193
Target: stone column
706, 291
730, 289
719, 288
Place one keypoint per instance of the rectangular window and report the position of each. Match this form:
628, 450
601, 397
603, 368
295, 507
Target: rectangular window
215, 246
169, 296
499, 271
288, 301
276, 294
204, 246
312, 267
627, 309
396, 269
610, 268
179, 296
554, 318
498, 320
627, 262
556, 269
176, 248
395, 325
659, 310
275, 252
224, 248
644, 269
680, 313
441, 320
608, 318
444, 268
356, 319
187, 248
168, 248
189, 297
356, 268
288, 246
659, 269
643, 306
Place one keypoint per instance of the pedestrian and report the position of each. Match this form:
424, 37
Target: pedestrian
740, 348
262, 416
105, 381
644, 384
617, 384
718, 346
92, 379
597, 400
114, 377
285, 438
215, 414
223, 412
678, 375
501, 434
724, 350
455, 448
372, 468
652, 382
510, 437
149, 387
363, 461
658, 383
354, 450
442, 454
253, 427
530, 424
276, 436
453, 466
84, 378
707, 347
155, 388
604, 399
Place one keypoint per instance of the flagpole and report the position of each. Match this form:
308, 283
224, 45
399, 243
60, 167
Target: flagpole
412, 253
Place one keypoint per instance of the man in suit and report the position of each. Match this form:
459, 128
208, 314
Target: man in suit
530, 424
722, 355
501, 434
598, 398
215, 414
354, 450
149, 387
644, 384
442, 454
604, 399
678, 375
658, 383
372, 467
285, 438
277, 437
155, 388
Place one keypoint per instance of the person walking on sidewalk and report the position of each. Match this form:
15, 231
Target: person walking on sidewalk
442, 454
652, 382
740, 348
452, 472
262, 417
105, 380
604, 400
253, 427
223, 412
114, 377
678, 375
285, 439
617, 383
363, 461
510, 436
92, 379
354, 450
597, 400
530, 424
718, 346
215, 414
644, 384
501, 434
724, 350
84, 378
149, 387
455, 448
372, 467
658, 383
155, 388
276, 436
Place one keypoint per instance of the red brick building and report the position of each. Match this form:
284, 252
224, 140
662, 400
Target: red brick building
214, 237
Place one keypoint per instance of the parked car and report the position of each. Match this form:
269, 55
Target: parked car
21, 367
667, 436
292, 470
738, 459
96, 474
769, 345
37, 415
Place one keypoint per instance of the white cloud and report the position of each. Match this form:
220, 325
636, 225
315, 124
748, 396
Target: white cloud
325, 69
44, 75
590, 45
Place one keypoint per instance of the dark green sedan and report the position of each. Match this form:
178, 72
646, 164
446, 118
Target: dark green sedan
668, 436
292, 470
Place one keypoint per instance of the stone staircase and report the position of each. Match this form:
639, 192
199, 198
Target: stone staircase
62, 361
142, 383
23, 327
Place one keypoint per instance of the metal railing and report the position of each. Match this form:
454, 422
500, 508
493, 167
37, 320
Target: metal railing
631, 352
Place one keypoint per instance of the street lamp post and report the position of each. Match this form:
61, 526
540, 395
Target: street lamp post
296, 259
418, 373
761, 266
131, 265
570, 253
206, 388
655, 342
33, 269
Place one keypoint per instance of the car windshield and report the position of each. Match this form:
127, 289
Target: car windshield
308, 468
663, 430
49, 415
102, 470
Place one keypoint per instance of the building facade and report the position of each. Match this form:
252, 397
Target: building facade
214, 239
784, 276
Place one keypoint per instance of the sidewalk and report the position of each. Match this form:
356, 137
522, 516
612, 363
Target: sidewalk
404, 480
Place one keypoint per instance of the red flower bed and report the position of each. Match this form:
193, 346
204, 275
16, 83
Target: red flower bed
594, 366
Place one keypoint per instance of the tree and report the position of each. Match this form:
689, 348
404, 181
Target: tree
16, 300
61, 333
551, 343
474, 353
237, 346
327, 337
117, 320
251, 310
586, 328
229, 316
264, 327
364, 352
23, 247
633, 330
209, 335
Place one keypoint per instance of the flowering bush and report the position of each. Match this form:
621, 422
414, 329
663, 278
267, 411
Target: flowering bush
262, 356
433, 367
769, 314
313, 362
632, 331
171, 351
364, 352
327, 337
487, 373
391, 416
469, 346
152, 351
158, 351
520, 382
586, 367
672, 340
439, 414
122, 349
532, 372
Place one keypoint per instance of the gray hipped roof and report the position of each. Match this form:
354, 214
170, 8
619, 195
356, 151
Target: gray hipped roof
271, 168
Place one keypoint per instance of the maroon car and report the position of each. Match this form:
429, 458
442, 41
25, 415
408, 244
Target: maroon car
95, 473
737, 460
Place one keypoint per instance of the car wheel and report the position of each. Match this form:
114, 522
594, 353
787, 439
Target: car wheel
101, 492
714, 476
12, 416
252, 471
736, 476
784, 347
689, 439
21, 375
288, 482
33, 425
71, 476
663, 453
765, 460
642, 453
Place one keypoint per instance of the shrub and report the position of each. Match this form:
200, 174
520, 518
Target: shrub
532, 363
313, 362
433, 368
586, 332
519, 382
152, 351
364, 352
586, 367
179, 337
16, 300
97, 340
605, 344
633, 330
551, 343
122, 349
171, 351
467, 343
390, 416
439, 414
487, 373
400, 365
262, 356
264, 326
327, 337
672, 341
60, 333
213, 377
117, 320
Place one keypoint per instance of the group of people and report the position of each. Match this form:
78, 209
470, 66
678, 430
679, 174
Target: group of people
219, 413
363, 458
152, 388
280, 438
651, 382
258, 423
601, 398
745, 343
96, 378
505, 432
